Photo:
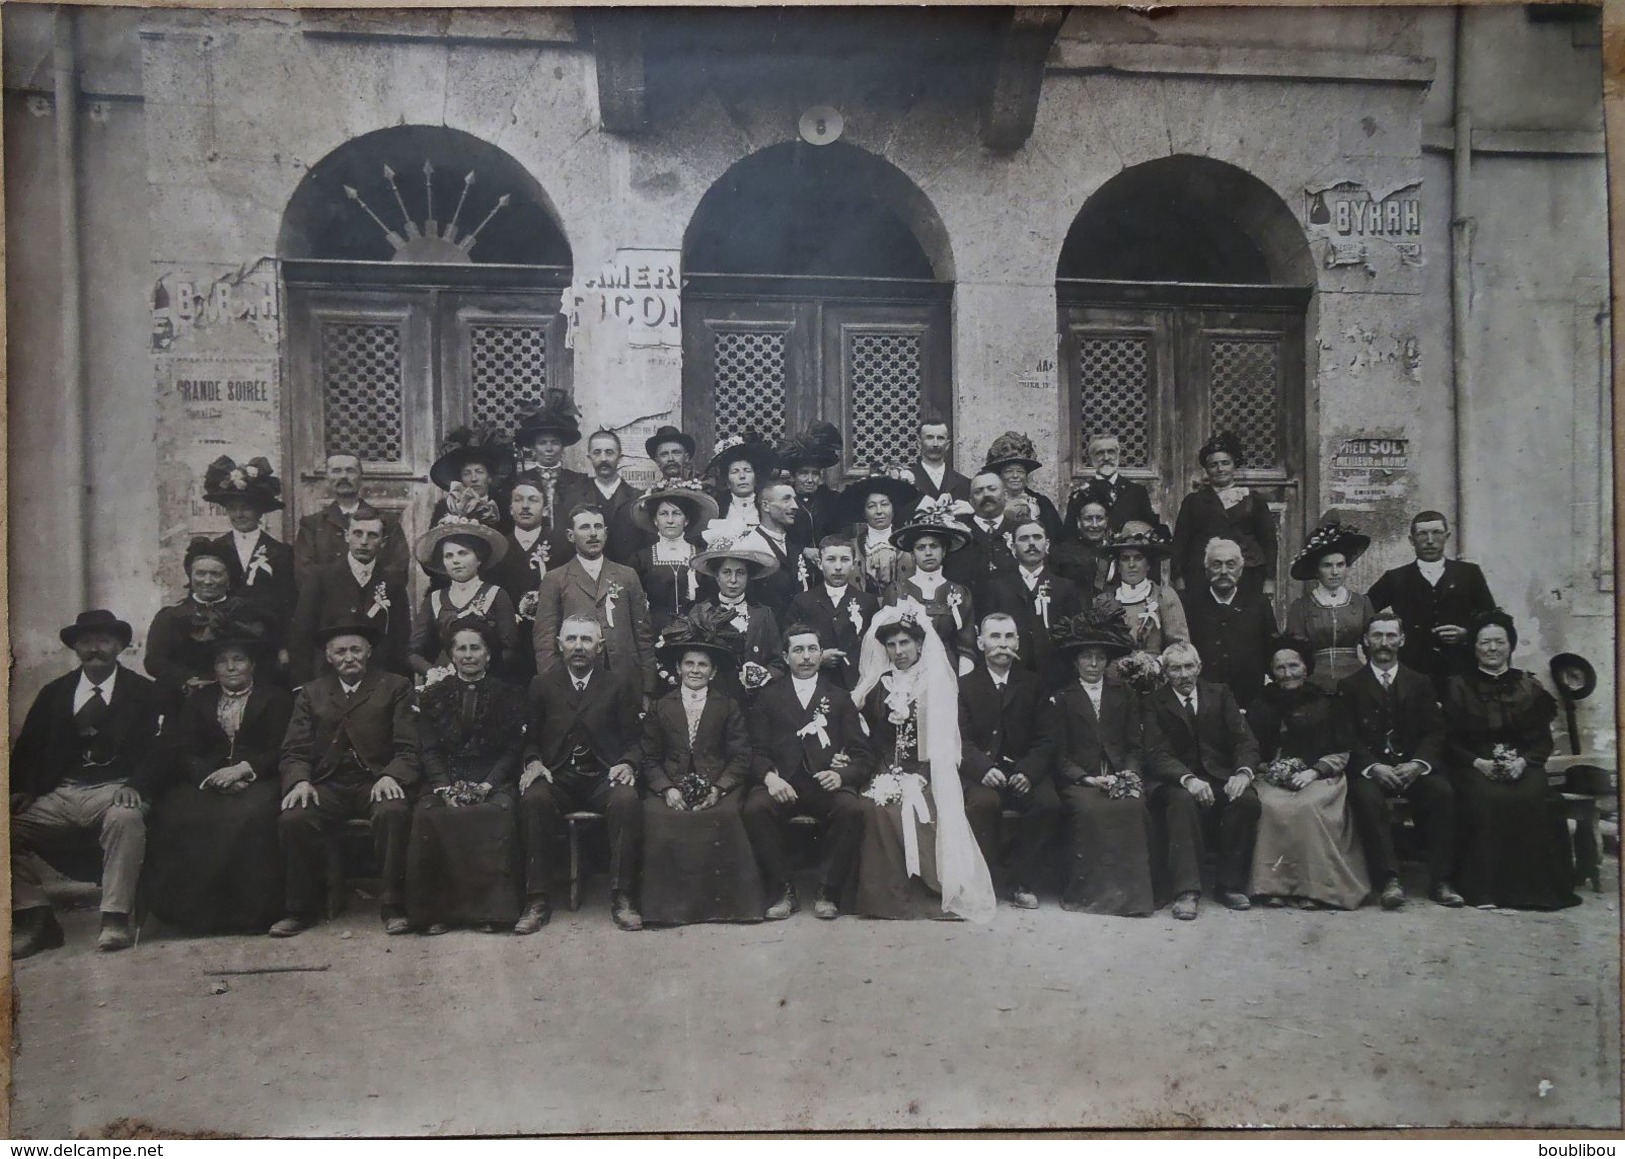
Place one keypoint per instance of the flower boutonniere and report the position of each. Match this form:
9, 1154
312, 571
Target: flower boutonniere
527, 606
540, 555
753, 675
956, 600
855, 614
380, 600
741, 617
819, 725
610, 597
1041, 602
258, 564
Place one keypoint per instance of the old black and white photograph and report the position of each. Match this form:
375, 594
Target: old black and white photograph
654, 570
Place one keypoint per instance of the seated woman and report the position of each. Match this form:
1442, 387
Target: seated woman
1152, 611
872, 507
462, 863
1330, 616
928, 538
460, 550
1513, 847
1307, 848
918, 858
697, 860
179, 654
675, 515
1093, 729
213, 861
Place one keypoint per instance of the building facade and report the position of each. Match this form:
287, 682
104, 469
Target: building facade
1371, 242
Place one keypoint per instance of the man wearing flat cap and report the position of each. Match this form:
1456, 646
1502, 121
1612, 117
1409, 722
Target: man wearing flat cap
78, 773
351, 751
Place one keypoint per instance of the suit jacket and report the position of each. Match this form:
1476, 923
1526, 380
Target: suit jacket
378, 722
1407, 726
615, 600
953, 483
195, 745
485, 747
273, 585
320, 542
775, 591
1129, 501
779, 745
762, 646
985, 556
522, 570
1008, 594
330, 595
625, 537
817, 514
1233, 640
603, 718
1081, 744
721, 751
838, 625
47, 750
998, 728
1462, 595
1203, 515
1220, 746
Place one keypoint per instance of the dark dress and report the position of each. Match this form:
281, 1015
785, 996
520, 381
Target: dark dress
671, 585
179, 646
213, 861
462, 863
1513, 847
437, 613
885, 889
1203, 516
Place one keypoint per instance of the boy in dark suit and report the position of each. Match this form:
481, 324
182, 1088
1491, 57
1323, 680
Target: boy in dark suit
79, 770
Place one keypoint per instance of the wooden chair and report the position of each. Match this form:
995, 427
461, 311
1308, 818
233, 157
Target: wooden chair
574, 822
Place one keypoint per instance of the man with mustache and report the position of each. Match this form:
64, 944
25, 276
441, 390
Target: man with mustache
356, 587
1035, 597
991, 550
1436, 598
323, 537
1230, 627
614, 495
1126, 501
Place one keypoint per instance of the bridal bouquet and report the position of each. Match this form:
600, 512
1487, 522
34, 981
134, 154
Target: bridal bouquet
694, 788
1121, 784
463, 793
887, 787
1501, 763
1141, 671
1280, 772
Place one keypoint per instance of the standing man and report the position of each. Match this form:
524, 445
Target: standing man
673, 454
1001, 765
260, 567
602, 590
355, 588
534, 549
322, 538
1231, 629
351, 750
581, 752
1125, 499
1399, 747
1200, 756
1034, 597
992, 547
1436, 598
810, 752
931, 472
837, 611
614, 496
780, 536
79, 770
539, 439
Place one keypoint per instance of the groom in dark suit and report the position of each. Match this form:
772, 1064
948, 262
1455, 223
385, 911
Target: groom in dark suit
809, 754
581, 752
1436, 598
357, 587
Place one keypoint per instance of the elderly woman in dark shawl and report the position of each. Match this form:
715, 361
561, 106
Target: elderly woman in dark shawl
180, 640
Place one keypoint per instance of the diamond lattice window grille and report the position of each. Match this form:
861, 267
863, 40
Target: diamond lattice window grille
507, 371
1114, 384
885, 380
750, 386
361, 380
1245, 381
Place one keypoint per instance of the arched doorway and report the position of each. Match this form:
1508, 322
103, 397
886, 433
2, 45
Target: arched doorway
424, 270
1183, 288
817, 284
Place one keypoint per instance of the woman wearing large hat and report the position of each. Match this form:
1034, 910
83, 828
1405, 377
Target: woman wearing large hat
181, 635
932, 532
477, 462
1153, 616
808, 456
1099, 771
540, 437
697, 860
260, 565
741, 467
729, 563
213, 863
1330, 616
1221, 509
1011, 457
460, 549
674, 515
872, 507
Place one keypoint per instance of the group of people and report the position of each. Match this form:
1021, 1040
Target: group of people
959, 684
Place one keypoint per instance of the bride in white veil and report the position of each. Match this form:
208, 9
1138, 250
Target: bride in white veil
917, 835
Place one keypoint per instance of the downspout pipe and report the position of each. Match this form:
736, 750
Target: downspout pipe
1461, 277
65, 69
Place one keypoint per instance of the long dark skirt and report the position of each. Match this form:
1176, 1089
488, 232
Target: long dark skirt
1514, 849
213, 861
699, 867
884, 887
1109, 858
462, 863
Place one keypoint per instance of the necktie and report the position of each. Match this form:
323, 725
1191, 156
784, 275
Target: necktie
93, 713
581, 685
1190, 712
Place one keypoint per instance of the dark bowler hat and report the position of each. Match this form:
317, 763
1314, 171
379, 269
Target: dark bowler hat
668, 434
1574, 676
96, 620
366, 629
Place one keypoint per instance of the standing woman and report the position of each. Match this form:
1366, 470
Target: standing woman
462, 864
1153, 615
460, 549
261, 565
214, 864
874, 506
1513, 838
1081, 555
919, 858
676, 516
697, 860
741, 468
180, 641
1011, 458
1329, 616
1307, 848
928, 538
1223, 510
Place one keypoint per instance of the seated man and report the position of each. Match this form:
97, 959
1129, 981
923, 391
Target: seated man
808, 745
1000, 763
76, 773
1398, 732
1200, 755
581, 752
351, 751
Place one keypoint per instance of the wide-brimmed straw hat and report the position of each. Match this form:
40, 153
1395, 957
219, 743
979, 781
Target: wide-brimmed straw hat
467, 445
1328, 539
726, 542
427, 547
938, 517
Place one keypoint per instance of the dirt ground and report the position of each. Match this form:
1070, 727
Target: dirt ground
1425, 1017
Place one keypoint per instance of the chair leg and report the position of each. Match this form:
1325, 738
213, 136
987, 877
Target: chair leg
575, 865
336, 900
